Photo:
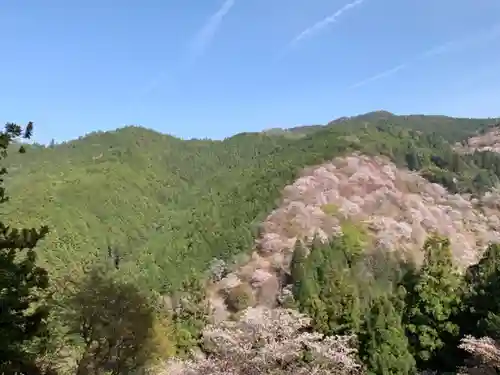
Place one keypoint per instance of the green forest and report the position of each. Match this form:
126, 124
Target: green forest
132, 215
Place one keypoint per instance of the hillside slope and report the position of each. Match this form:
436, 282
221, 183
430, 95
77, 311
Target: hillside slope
389, 209
168, 206
141, 192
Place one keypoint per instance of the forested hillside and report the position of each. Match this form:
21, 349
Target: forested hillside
450, 128
365, 246
165, 206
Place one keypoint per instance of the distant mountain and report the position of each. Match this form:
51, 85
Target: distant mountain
295, 132
451, 128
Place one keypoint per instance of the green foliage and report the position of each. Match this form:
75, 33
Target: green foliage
163, 339
330, 209
156, 208
449, 128
482, 296
114, 321
239, 298
22, 282
325, 288
303, 287
414, 160
189, 314
343, 291
166, 206
354, 237
432, 300
398, 327
170, 205
384, 346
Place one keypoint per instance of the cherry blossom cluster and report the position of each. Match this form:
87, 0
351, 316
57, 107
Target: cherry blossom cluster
270, 341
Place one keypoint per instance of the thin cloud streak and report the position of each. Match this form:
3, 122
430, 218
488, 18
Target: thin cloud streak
316, 28
320, 25
198, 45
379, 76
206, 34
485, 36
442, 49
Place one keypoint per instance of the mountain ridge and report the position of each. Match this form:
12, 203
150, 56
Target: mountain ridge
170, 205
372, 116
333, 221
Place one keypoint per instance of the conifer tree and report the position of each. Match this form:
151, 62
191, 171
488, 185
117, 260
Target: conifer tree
301, 286
482, 299
338, 288
324, 287
22, 313
383, 343
432, 300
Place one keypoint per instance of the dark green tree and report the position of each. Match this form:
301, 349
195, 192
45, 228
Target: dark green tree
413, 160
22, 282
384, 346
324, 286
340, 295
338, 286
432, 299
303, 286
482, 296
114, 321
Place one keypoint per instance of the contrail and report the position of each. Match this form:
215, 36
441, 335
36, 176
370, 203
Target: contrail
206, 34
445, 48
197, 46
379, 76
320, 25
484, 36
317, 27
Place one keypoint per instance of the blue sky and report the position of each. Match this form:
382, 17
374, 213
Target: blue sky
213, 68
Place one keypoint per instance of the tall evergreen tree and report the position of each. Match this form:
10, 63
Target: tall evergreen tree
432, 300
22, 313
383, 343
298, 273
339, 293
412, 160
306, 287
482, 297
339, 287
324, 286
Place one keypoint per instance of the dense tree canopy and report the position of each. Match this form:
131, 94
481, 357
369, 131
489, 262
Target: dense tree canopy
159, 209
170, 205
